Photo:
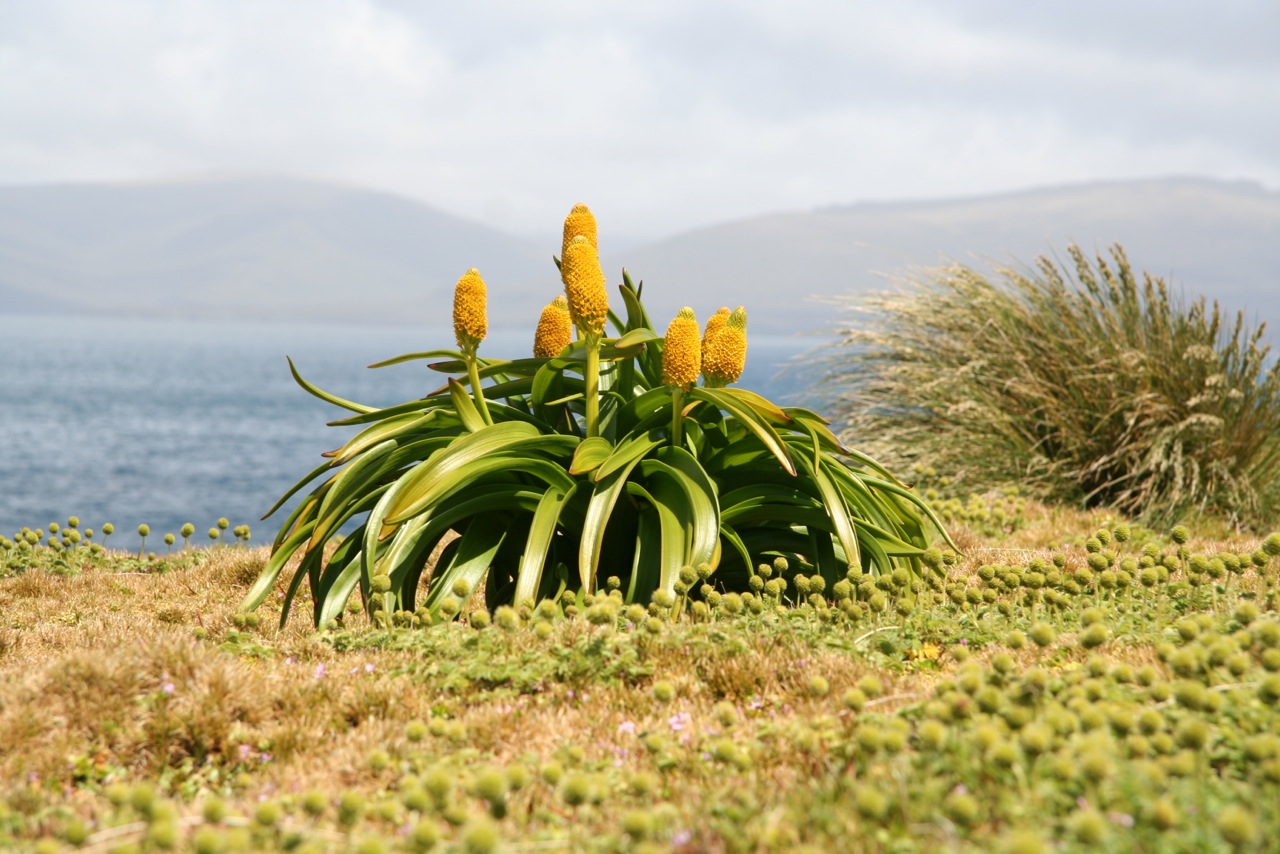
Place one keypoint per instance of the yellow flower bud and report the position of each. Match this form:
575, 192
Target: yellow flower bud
727, 350
579, 221
682, 350
470, 322
714, 325
555, 329
584, 285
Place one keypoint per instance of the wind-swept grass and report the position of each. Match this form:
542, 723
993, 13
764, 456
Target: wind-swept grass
1081, 383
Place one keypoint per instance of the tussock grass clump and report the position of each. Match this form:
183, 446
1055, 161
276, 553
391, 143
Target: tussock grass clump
1079, 382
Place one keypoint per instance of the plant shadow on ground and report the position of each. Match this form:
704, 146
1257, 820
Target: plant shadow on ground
1069, 683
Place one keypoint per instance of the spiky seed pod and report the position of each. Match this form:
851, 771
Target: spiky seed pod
682, 350
714, 325
584, 284
555, 329
470, 321
580, 221
727, 351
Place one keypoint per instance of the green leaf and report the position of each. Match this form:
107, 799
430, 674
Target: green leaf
590, 453
674, 537
426, 354
271, 572
475, 455
324, 395
381, 432
475, 552
630, 451
746, 414
465, 407
542, 529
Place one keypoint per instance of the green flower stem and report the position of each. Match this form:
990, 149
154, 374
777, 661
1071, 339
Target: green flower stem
677, 420
591, 378
473, 372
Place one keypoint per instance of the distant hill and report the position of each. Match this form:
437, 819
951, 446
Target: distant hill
1216, 238
302, 250
243, 248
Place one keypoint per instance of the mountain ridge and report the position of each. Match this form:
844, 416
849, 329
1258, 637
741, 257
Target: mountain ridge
262, 247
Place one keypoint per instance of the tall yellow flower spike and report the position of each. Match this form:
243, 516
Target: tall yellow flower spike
727, 351
584, 285
555, 329
714, 325
682, 350
470, 321
580, 221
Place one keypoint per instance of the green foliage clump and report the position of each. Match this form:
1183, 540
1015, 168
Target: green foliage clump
1084, 385
599, 458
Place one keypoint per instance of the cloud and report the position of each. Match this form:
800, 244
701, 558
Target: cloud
662, 115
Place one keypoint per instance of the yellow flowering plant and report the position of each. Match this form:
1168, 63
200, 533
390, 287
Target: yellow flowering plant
598, 456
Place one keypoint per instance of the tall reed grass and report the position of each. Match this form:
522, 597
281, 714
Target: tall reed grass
1081, 382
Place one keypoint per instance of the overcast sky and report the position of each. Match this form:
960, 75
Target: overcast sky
660, 114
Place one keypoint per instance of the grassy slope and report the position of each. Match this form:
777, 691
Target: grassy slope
134, 715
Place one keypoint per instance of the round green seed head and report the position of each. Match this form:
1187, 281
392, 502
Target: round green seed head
1238, 827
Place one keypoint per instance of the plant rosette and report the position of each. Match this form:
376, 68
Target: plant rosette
531, 477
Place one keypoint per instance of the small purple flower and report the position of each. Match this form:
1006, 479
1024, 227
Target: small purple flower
321, 670
681, 837
627, 728
678, 721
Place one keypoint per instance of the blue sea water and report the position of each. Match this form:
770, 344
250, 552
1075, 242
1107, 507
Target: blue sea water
167, 422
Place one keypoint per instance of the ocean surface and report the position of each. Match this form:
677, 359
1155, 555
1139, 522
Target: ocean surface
167, 422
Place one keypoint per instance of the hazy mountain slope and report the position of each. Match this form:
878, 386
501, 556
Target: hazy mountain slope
246, 247
1221, 239
286, 248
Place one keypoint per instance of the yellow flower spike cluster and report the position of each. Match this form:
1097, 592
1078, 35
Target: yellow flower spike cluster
470, 321
584, 285
682, 350
555, 329
726, 351
579, 221
714, 325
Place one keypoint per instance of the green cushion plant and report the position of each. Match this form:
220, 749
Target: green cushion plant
599, 456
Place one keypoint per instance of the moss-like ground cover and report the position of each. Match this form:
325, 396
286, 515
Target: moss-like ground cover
1068, 683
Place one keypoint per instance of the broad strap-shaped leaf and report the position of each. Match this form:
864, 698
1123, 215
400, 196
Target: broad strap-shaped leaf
542, 529
293, 490
749, 417
472, 559
324, 395
609, 485
671, 510
506, 446
832, 498
375, 434
687, 475
589, 454
271, 572
425, 354
465, 407
630, 451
